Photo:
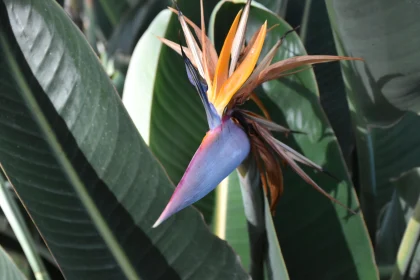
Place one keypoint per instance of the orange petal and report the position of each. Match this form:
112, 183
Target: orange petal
241, 74
222, 64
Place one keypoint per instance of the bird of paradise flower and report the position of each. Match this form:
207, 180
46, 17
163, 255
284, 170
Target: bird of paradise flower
224, 82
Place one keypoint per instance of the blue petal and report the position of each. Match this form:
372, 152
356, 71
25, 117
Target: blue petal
221, 151
212, 117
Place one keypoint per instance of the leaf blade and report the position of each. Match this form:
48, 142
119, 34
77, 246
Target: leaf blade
8, 269
118, 172
293, 101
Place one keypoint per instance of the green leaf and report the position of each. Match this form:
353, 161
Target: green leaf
76, 160
387, 83
132, 19
295, 12
383, 92
162, 103
403, 210
316, 34
140, 81
8, 269
17, 222
276, 267
235, 222
132, 25
108, 14
61, 2
230, 222
265, 249
396, 216
312, 230
259, 245
278, 7
90, 24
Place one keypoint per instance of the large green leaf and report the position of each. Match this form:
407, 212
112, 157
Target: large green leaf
8, 269
384, 92
388, 82
79, 165
331, 243
316, 34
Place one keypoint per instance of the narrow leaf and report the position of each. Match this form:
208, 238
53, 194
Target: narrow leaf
17, 222
8, 269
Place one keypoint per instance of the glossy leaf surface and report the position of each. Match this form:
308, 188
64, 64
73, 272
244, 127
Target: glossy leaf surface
78, 163
307, 223
316, 34
384, 95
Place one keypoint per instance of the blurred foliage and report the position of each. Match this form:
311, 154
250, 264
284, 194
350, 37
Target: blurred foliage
361, 120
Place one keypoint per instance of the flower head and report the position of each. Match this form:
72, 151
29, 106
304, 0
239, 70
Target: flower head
224, 81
